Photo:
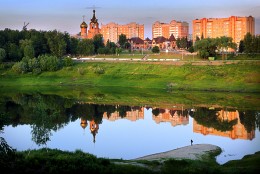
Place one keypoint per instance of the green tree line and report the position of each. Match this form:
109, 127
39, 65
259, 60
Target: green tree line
210, 47
250, 44
15, 44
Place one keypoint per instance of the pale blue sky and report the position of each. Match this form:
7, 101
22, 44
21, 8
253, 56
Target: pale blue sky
66, 15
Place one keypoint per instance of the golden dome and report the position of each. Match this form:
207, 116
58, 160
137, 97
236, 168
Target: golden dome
83, 123
84, 25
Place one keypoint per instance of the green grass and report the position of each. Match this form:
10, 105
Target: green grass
57, 161
242, 77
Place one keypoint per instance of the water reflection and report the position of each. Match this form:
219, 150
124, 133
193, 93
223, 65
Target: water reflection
48, 114
224, 123
176, 116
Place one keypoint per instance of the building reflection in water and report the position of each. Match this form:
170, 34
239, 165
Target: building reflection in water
135, 114
174, 116
238, 131
225, 123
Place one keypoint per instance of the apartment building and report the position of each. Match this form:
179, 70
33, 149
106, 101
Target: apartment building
176, 28
233, 26
112, 31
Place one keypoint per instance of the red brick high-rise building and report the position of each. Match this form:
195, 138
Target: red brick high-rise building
176, 28
112, 31
234, 26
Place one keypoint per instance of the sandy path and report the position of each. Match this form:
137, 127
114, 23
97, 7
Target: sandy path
188, 152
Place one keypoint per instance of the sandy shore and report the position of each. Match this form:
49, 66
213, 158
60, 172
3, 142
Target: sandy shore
193, 152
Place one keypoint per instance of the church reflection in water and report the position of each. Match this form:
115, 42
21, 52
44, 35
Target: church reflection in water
206, 121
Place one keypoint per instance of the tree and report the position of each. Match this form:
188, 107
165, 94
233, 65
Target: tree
252, 44
27, 47
98, 42
111, 46
156, 49
122, 40
39, 42
191, 49
56, 43
178, 42
197, 38
14, 52
183, 42
156, 111
103, 50
224, 43
248, 43
85, 47
202, 36
73, 46
2, 55
241, 47
206, 47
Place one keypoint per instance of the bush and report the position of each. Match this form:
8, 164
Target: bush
67, 62
104, 50
99, 70
49, 63
20, 67
155, 49
81, 71
37, 71
33, 64
38, 65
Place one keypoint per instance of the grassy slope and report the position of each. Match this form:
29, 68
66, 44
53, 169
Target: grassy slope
243, 77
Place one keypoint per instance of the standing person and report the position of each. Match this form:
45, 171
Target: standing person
191, 142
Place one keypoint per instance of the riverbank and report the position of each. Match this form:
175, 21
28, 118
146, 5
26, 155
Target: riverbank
240, 77
190, 159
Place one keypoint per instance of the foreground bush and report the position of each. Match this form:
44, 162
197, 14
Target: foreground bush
41, 64
57, 161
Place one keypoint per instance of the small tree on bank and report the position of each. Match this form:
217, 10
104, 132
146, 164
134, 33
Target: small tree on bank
155, 49
209, 46
122, 40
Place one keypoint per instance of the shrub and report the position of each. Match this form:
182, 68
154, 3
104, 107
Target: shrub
67, 62
104, 50
49, 63
155, 49
33, 64
37, 71
20, 67
99, 70
81, 71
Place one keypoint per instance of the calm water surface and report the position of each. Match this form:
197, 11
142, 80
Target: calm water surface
127, 132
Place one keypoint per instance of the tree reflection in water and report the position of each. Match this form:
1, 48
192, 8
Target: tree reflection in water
46, 113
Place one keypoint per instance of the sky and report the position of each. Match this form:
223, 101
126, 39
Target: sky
66, 15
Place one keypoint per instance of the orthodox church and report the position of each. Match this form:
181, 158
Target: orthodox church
93, 30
